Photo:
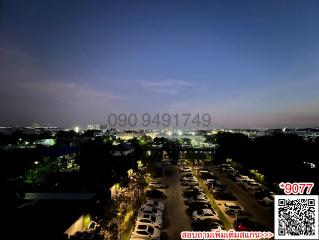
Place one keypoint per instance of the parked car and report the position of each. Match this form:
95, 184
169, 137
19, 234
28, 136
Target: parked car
246, 224
151, 219
227, 169
190, 182
237, 213
187, 175
199, 198
260, 194
205, 213
192, 193
197, 206
207, 224
145, 230
157, 185
150, 210
185, 169
207, 175
186, 179
240, 178
268, 200
158, 204
252, 186
232, 206
209, 181
148, 204
155, 194
140, 238
192, 188
242, 183
203, 170
232, 174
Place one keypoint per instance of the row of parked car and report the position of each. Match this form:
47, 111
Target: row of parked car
220, 192
204, 218
149, 220
242, 222
254, 188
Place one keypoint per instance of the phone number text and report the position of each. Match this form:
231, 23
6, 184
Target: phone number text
159, 120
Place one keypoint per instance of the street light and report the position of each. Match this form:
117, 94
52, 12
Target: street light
77, 129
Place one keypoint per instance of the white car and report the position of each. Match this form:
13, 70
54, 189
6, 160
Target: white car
206, 213
244, 182
151, 219
241, 178
157, 184
140, 238
233, 206
203, 171
158, 204
190, 182
195, 188
186, 179
185, 169
148, 204
252, 185
199, 198
150, 210
146, 231
209, 181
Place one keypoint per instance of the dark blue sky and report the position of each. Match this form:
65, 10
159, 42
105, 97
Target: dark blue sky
247, 63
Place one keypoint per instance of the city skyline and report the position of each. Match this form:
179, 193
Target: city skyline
248, 64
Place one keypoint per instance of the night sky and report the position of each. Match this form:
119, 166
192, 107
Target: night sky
247, 63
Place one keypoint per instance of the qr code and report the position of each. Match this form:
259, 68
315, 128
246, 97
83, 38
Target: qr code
296, 217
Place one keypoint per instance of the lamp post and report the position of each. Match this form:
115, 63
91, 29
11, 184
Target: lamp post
118, 226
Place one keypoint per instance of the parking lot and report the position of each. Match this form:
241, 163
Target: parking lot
205, 199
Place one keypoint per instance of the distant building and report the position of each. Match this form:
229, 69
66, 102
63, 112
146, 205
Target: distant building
127, 135
93, 127
122, 149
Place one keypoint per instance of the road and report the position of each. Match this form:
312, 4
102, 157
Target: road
176, 220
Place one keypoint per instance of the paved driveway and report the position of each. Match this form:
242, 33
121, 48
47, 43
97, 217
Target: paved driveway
176, 220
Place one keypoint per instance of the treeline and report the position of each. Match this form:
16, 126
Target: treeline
280, 157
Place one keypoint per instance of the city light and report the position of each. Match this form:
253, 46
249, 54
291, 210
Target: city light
77, 129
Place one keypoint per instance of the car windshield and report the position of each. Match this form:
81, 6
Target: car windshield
142, 227
142, 232
235, 207
200, 211
151, 230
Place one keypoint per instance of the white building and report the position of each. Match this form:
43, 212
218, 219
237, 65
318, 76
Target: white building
93, 127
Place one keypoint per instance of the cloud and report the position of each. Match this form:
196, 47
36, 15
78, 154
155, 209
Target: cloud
169, 86
166, 83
